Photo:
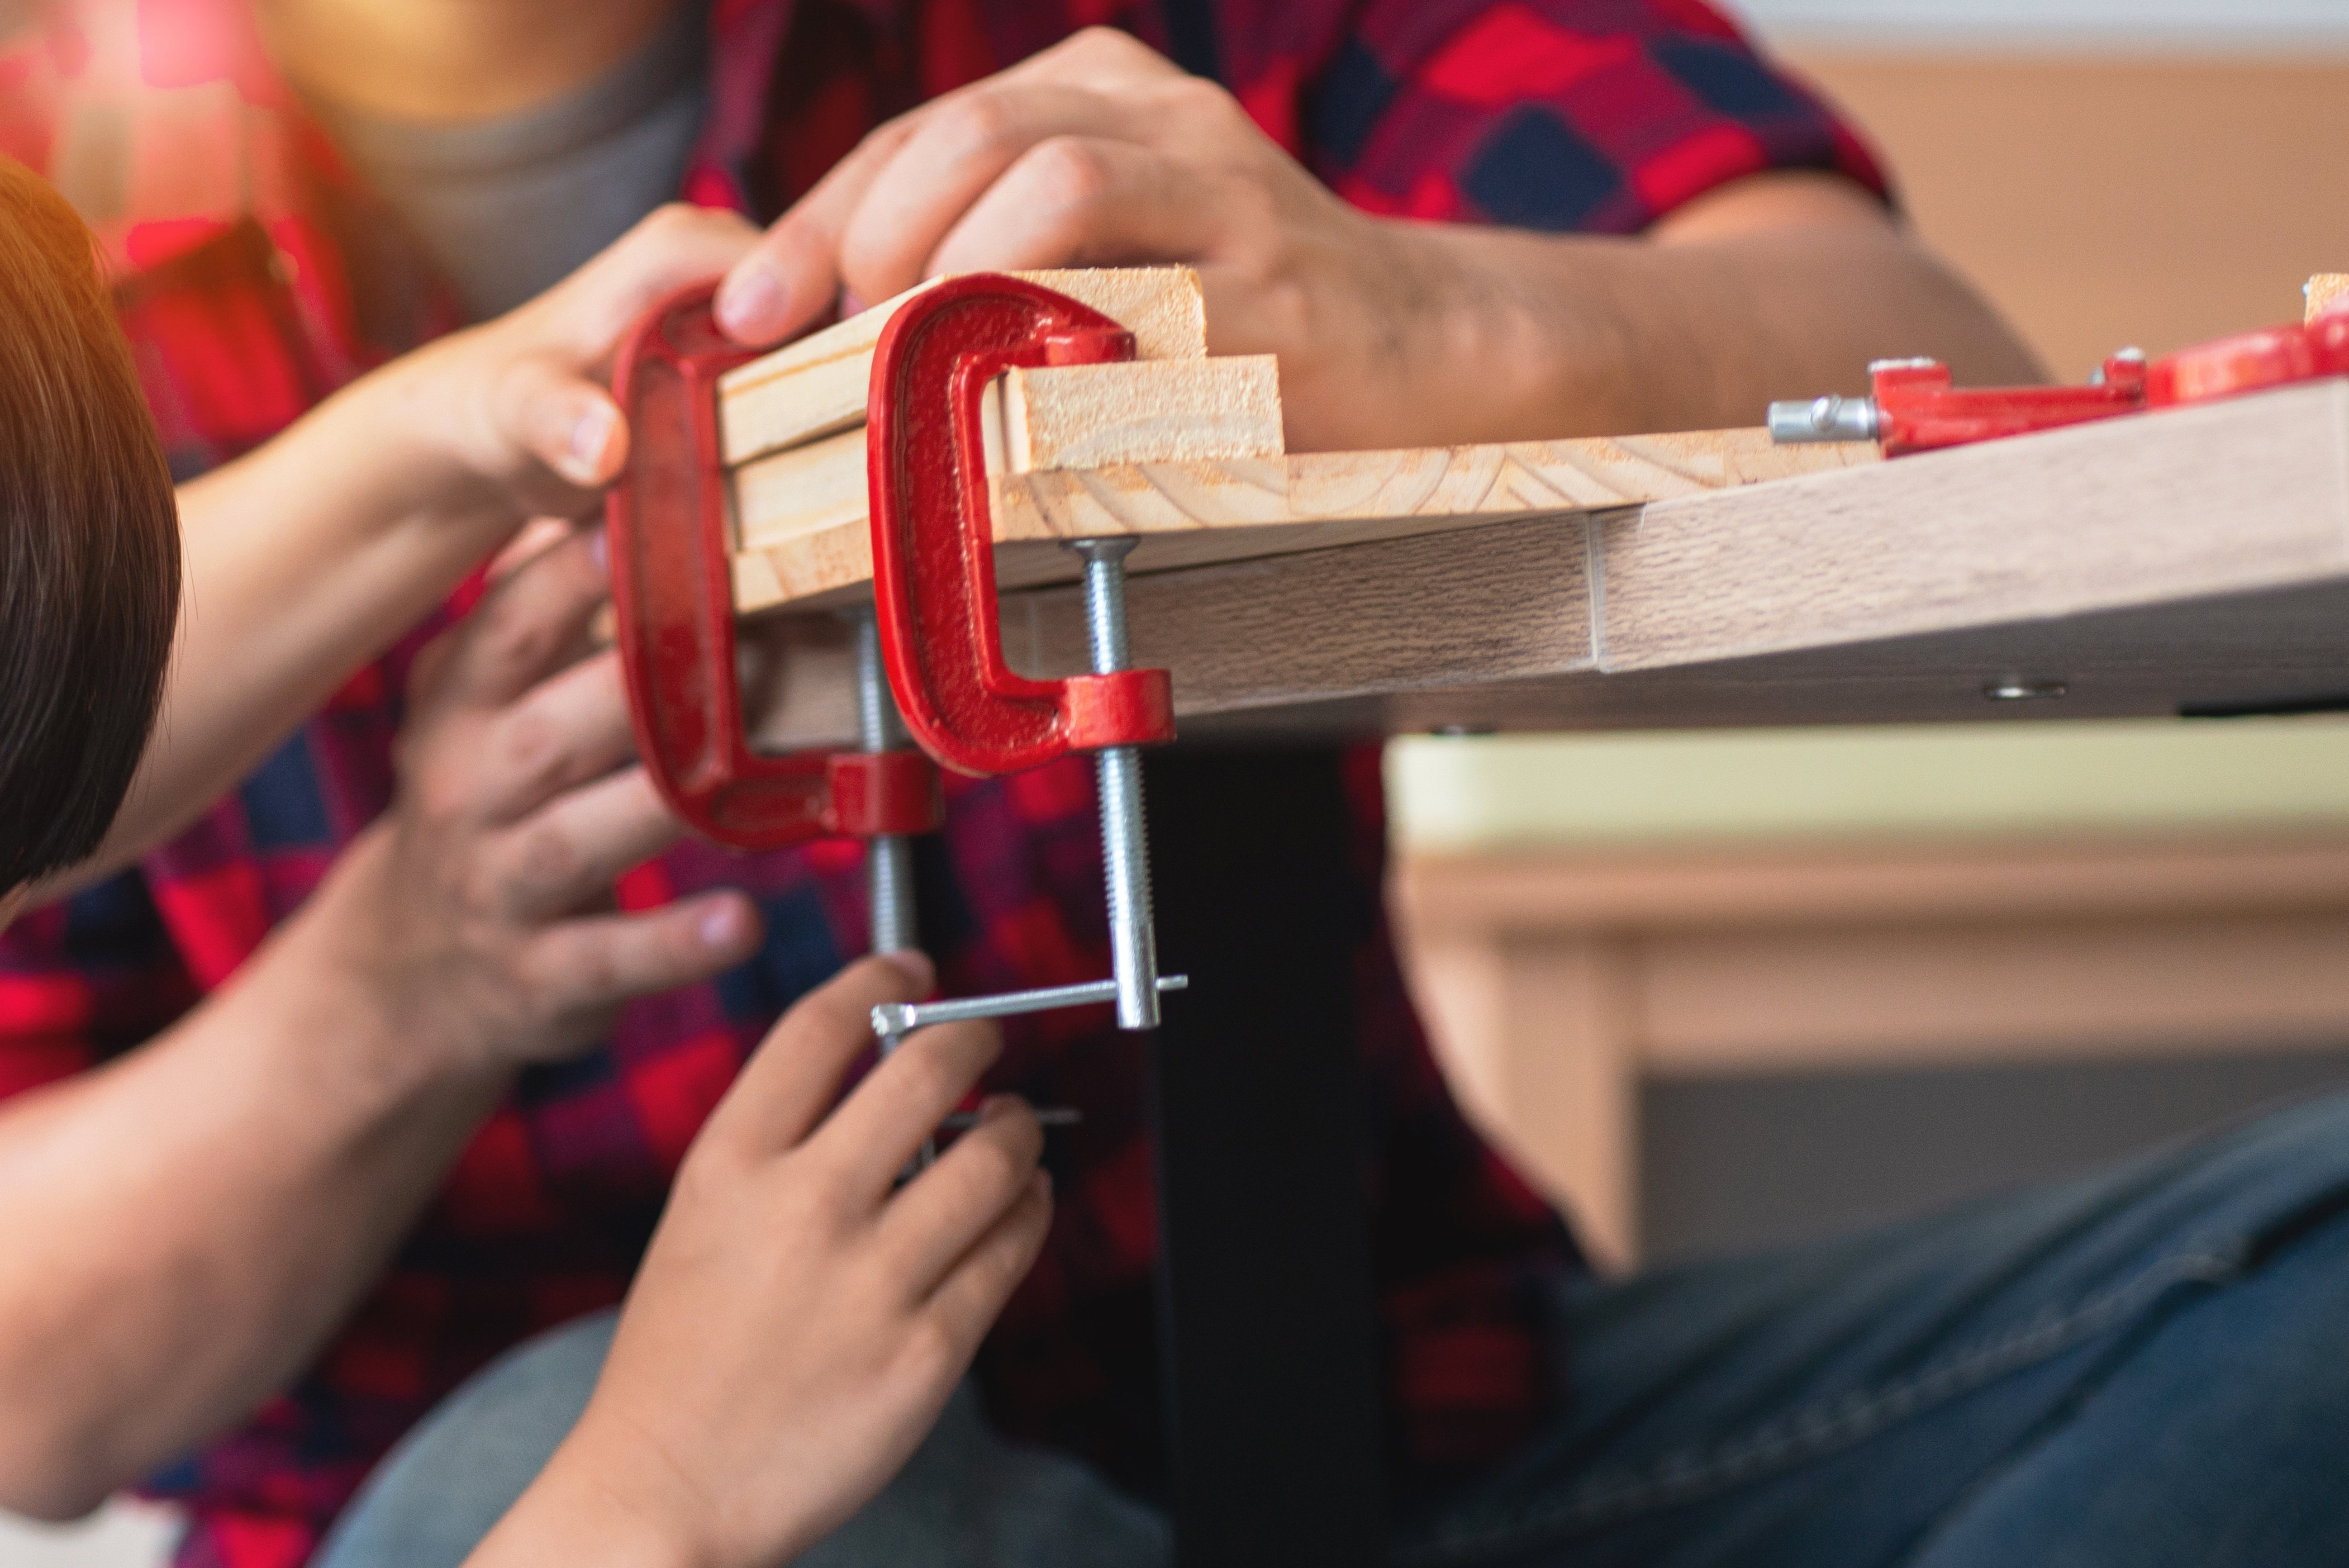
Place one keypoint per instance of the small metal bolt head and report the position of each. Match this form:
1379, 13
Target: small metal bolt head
2020, 689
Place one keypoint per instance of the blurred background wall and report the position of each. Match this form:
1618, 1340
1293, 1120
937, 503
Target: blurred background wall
2110, 172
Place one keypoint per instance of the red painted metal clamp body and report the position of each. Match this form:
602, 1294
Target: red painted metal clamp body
1917, 410
673, 594
933, 543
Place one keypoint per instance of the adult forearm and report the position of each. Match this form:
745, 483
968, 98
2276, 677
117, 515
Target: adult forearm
1785, 288
187, 1226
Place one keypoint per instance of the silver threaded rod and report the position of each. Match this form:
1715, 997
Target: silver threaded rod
1125, 851
889, 857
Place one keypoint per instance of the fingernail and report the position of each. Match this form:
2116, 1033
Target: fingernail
751, 306
599, 550
916, 967
587, 441
721, 928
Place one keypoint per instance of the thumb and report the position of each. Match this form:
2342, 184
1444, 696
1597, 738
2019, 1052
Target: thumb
564, 422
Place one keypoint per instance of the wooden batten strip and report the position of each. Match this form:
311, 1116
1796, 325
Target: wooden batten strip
1201, 511
816, 387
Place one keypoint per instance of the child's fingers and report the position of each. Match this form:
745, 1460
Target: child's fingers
793, 1078
880, 1127
969, 1300
563, 418
524, 630
931, 1224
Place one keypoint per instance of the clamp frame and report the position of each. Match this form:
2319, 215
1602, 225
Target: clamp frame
934, 591
673, 601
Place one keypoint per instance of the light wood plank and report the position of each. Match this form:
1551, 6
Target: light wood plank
2325, 290
812, 497
2219, 499
1487, 896
1084, 416
817, 386
1194, 513
2194, 559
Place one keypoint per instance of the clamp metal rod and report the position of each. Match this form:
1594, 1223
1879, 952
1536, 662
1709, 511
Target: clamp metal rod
889, 857
1125, 849
1830, 418
896, 1019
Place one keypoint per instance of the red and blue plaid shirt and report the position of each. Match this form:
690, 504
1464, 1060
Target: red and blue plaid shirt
228, 217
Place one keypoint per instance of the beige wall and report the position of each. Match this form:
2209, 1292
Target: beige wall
2155, 201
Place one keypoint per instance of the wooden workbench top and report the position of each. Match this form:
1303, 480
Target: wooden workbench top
2195, 559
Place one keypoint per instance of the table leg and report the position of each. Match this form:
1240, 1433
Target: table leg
1267, 1312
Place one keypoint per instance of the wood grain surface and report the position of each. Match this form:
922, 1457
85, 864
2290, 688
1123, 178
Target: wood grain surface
1197, 512
2196, 559
2325, 290
817, 386
1140, 412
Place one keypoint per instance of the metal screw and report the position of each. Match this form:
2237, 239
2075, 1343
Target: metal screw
888, 858
1125, 852
1830, 418
2015, 689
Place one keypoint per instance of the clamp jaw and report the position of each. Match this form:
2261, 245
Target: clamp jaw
673, 600
1913, 407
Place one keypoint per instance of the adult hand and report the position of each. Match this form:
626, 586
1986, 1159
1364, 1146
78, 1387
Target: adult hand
1101, 152
517, 408
473, 916
800, 1319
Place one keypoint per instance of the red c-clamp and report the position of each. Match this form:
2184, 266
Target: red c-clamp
672, 592
934, 595
934, 548
1913, 407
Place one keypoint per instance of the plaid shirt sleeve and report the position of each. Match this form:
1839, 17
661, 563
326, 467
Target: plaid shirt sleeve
1582, 116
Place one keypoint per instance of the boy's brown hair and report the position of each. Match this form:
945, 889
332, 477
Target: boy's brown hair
89, 543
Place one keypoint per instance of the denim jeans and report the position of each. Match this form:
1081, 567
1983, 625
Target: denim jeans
2146, 1368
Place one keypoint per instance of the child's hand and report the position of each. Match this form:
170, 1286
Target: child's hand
800, 1320
516, 407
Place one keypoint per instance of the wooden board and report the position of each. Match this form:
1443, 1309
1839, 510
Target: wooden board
2194, 559
816, 387
816, 552
1141, 412
2325, 290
